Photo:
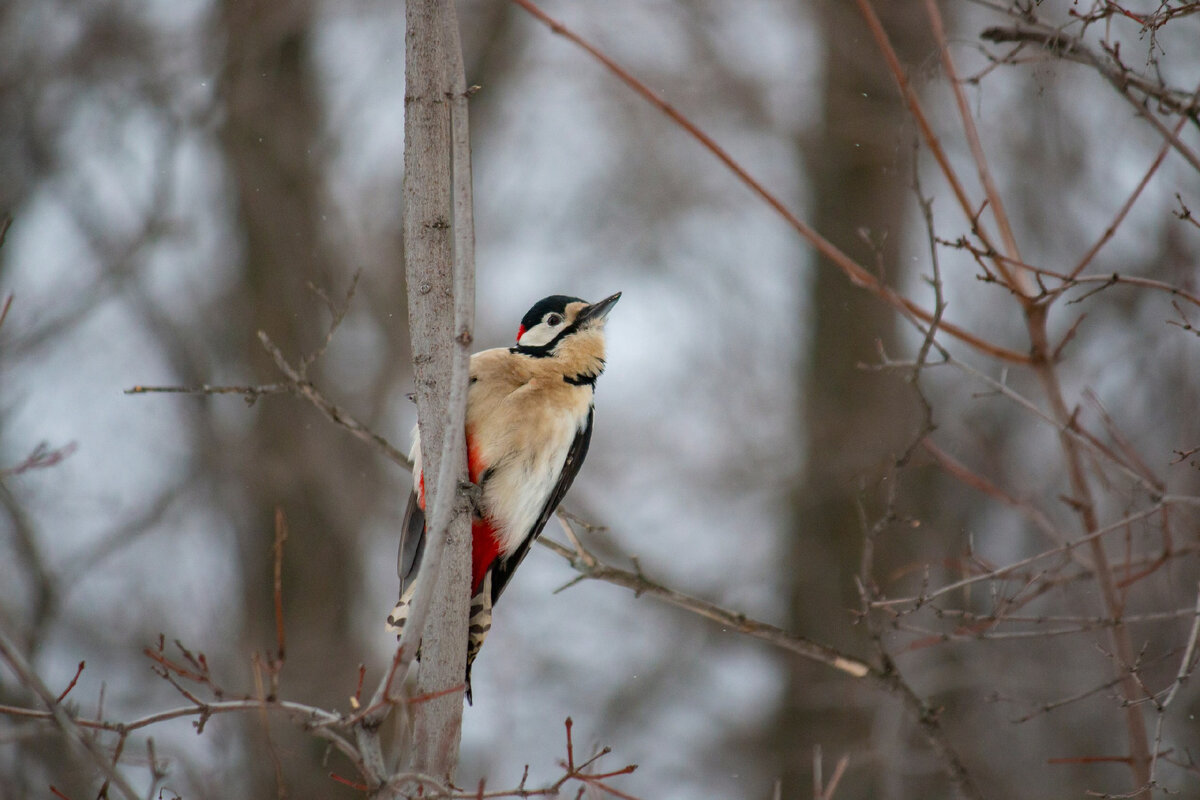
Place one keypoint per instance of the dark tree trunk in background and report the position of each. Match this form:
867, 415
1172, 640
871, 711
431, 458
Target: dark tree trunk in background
856, 421
290, 458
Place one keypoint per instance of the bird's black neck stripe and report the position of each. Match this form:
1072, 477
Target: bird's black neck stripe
545, 350
540, 351
582, 379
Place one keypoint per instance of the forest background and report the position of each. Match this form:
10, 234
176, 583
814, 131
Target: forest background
954, 440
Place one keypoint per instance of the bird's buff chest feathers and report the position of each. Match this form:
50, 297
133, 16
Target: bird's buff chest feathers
519, 439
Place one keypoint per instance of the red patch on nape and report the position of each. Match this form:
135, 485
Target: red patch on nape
421, 491
520, 332
485, 548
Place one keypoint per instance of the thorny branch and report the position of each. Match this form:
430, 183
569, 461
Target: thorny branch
1083, 498
57, 714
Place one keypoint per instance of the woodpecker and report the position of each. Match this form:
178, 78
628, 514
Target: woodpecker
529, 423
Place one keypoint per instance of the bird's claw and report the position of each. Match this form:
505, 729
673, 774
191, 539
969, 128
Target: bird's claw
472, 493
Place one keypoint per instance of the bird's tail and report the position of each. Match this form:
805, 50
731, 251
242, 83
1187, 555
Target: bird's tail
399, 616
478, 625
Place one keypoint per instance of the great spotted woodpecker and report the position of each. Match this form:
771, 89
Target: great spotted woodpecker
529, 422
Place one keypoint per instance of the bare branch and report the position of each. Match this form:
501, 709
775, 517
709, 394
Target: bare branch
1126, 82
854, 272
29, 678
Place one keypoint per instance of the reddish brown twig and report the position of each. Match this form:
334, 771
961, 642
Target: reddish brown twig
356, 700
71, 685
281, 533
1128, 204
1019, 282
574, 772
853, 271
974, 480
362, 787
42, 457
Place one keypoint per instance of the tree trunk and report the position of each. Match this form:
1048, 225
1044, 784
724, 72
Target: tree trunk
289, 458
856, 421
439, 265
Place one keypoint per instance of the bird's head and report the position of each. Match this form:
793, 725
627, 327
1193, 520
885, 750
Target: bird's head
565, 326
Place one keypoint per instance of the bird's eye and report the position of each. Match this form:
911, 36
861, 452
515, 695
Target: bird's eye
554, 319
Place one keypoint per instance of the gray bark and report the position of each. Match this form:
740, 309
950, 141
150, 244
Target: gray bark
439, 266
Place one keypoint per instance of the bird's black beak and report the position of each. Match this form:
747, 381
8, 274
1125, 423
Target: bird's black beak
596, 312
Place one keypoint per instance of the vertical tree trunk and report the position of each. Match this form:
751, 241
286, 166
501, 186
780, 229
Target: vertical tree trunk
856, 421
439, 265
288, 458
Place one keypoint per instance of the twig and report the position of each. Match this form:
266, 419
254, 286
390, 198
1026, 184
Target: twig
71, 685
974, 480
70, 727
856, 273
281, 534
1020, 282
590, 567
339, 313
1010, 568
251, 393
931, 140
42, 457
1121, 78
1186, 666
300, 386
1127, 205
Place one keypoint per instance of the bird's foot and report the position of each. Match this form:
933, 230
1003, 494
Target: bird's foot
472, 493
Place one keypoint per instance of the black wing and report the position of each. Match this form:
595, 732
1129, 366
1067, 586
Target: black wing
506, 567
412, 543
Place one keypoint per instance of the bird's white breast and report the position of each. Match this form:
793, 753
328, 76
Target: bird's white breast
521, 483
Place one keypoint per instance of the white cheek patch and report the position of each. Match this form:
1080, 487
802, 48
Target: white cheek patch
539, 335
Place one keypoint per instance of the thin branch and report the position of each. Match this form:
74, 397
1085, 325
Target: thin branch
1126, 82
592, 568
302, 387
974, 480
1187, 665
853, 271
1016, 566
42, 457
1021, 282
298, 383
281, 534
934, 144
70, 727
1127, 205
